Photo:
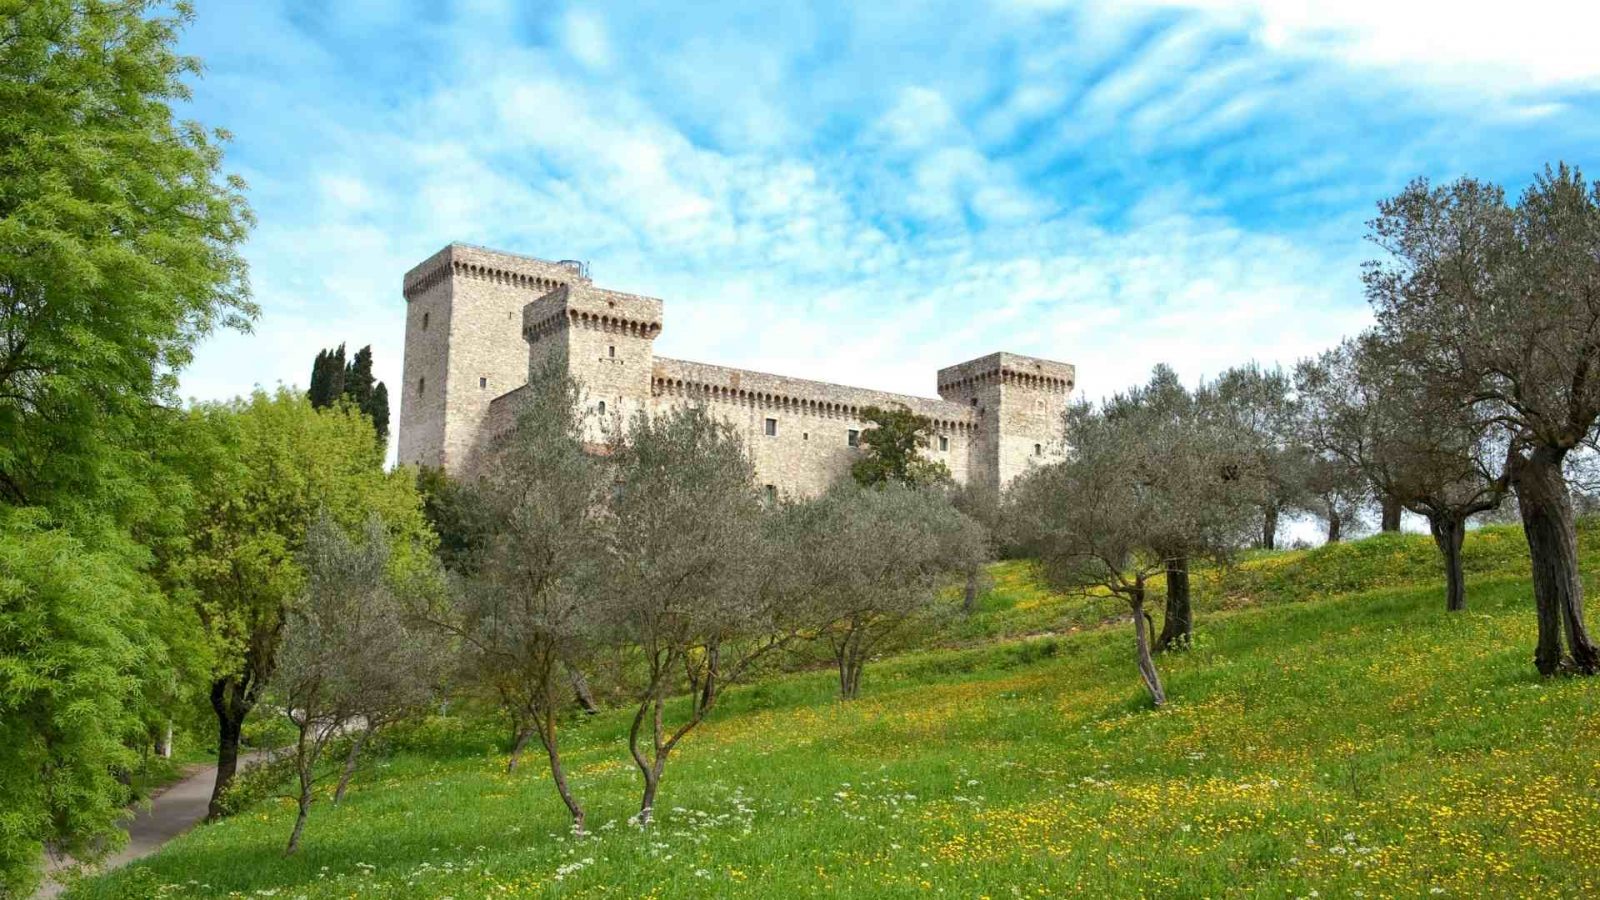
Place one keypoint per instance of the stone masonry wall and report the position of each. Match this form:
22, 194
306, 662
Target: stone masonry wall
471, 349
479, 320
813, 420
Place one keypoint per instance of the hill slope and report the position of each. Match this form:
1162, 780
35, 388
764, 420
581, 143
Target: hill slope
1360, 739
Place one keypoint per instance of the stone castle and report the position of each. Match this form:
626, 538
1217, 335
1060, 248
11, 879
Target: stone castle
479, 320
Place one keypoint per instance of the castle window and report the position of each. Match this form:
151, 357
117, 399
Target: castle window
772, 493
602, 407
482, 382
422, 386
944, 443
1038, 449
772, 428
853, 438
611, 351
805, 435
424, 321
974, 401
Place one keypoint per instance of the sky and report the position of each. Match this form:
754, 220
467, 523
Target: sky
864, 192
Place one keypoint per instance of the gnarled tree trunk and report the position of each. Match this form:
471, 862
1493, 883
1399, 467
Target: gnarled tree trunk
1269, 527
969, 599
1335, 526
1178, 627
1141, 635
1448, 532
517, 743
580, 690
350, 762
1389, 514
1548, 522
558, 774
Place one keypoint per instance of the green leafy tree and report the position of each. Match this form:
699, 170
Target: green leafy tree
688, 589
891, 447
119, 249
119, 237
526, 614
86, 642
1151, 478
875, 562
281, 461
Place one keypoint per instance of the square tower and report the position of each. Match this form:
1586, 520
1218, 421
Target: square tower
1020, 402
606, 340
464, 344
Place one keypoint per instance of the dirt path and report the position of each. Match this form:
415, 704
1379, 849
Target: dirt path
169, 814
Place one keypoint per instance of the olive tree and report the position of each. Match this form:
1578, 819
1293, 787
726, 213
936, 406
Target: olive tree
687, 593
1260, 406
524, 610
349, 659
1209, 507
879, 559
1432, 453
1499, 304
1143, 480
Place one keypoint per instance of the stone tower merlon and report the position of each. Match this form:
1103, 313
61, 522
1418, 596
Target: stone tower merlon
464, 344
1020, 402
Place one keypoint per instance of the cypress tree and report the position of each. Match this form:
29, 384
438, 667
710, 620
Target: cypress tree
379, 412
332, 379
358, 379
318, 394
327, 378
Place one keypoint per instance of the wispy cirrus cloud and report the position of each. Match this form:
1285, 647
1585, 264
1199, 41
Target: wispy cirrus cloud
862, 192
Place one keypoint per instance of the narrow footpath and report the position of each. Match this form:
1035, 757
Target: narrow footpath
170, 813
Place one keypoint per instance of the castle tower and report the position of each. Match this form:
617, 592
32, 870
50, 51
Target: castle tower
464, 344
1019, 401
605, 339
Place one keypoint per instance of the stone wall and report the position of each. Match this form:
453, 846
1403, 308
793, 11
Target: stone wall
813, 421
478, 321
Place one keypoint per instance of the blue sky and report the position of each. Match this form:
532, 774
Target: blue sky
864, 192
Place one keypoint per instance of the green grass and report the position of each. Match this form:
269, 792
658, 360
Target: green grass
1334, 730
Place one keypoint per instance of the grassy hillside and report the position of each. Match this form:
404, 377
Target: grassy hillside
1333, 733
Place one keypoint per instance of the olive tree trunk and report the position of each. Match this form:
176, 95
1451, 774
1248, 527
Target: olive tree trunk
1335, 526
350, 761
581, 691
1141, 635
1389, 514
1548, 523
517, 744
1269, 527
558, 774
1448, 532
1177, 630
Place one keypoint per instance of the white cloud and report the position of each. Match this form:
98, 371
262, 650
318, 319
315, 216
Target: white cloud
904, 221
584, 35
1507, 48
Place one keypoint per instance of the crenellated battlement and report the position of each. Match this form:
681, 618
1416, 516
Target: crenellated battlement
479, 319
799, 396
1009, 368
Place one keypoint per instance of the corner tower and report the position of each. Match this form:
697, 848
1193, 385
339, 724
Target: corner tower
1020, 402
464, 344
605, 339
